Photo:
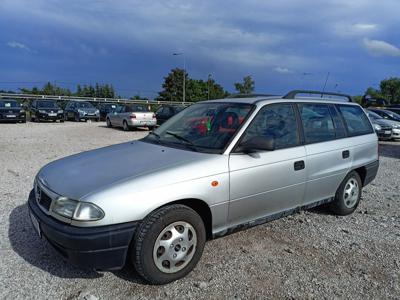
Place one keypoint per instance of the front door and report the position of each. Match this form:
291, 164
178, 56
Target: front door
264, 183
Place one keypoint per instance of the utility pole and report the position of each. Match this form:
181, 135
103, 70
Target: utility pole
208, 86
184, 74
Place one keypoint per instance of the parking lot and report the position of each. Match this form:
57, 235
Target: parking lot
311, 254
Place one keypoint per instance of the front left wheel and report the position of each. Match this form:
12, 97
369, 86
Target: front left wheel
168, 244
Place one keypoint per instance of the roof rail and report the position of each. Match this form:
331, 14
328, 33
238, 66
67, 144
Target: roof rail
293, 94
232, 96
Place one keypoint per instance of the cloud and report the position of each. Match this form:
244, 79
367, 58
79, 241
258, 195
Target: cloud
283, 70
355, 29
17, 45
380, 48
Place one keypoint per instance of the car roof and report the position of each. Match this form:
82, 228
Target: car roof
271, 99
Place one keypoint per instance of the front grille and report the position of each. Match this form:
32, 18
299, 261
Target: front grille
43, 199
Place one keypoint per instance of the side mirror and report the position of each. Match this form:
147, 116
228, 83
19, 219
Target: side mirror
257, 143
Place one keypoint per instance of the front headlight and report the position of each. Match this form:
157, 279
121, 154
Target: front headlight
88, 212
60, 111
42, 111
396, 126
65, 207
22, 111
97, 111
80, 211
377, 127
81, 111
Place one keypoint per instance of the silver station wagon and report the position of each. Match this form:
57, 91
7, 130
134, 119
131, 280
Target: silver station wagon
216, 167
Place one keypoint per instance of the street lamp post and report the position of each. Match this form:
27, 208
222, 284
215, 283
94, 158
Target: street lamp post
184, 75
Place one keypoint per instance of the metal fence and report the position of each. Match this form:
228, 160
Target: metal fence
89, 99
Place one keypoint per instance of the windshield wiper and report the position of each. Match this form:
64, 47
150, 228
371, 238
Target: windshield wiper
156, 135
181, 138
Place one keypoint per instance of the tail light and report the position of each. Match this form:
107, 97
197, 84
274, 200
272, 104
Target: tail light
133, 116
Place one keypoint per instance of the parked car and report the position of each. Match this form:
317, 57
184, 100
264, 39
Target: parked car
165, 112
106, 108
386, 114
12, 111
81, 110
132, 116
46, 110
155, 201
384, 127
394, 109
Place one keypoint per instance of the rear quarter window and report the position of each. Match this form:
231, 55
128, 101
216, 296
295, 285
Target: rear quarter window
355, 120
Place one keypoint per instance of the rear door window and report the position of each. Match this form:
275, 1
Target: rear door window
355, 119
317, 122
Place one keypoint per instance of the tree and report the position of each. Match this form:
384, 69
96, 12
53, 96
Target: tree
390, 88
195, 89
247, 87
374, 93
173, 86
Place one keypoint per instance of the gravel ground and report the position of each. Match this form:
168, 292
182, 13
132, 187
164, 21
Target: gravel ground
307, 255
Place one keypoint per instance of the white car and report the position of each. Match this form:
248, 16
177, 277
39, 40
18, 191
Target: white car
132, 116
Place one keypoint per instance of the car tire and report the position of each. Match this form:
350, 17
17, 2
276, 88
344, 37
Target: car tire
151, 128
184, 250
65, 117
32, 119
348, 195
77, 118
108, 122
125, 126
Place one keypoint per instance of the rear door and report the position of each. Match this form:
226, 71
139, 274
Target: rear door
328, 152
268, 182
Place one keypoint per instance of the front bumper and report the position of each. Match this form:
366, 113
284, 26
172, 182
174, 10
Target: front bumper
12, 117
384, 134
85, 116
100, 248
47, 117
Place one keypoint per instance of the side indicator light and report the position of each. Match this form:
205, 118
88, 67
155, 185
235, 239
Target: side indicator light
214, 183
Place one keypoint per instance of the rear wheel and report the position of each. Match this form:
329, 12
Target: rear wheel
348, 195
125, 126
168, 244
77, 118
108, 122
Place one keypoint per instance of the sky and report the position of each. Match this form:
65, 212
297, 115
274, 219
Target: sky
283, 45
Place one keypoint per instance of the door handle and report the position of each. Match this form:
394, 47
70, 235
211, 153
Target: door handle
299, 165
346, 154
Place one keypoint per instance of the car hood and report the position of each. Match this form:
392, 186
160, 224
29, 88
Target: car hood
391, 122
49, 109
381, 122
87, 109
81, 174
10, 109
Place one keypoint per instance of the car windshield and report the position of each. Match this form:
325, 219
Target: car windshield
393, 115
373, 115
204, 127
84, 105
47, 104
179, 108
9, 103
